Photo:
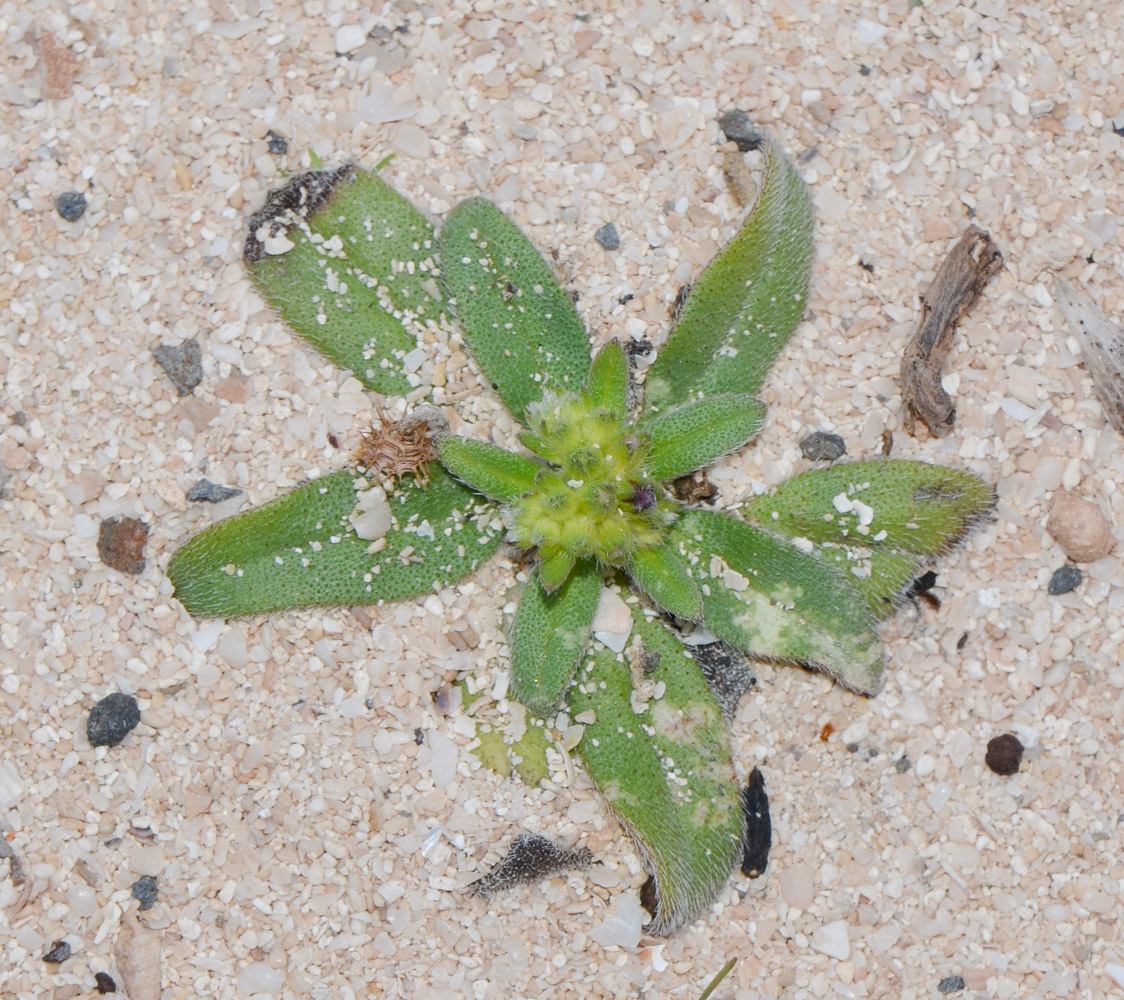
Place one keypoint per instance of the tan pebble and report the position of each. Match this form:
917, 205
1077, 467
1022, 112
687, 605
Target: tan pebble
137, 953
1080, 527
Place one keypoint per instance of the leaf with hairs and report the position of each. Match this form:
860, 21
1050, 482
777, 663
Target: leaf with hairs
697, 433
523, 330
351, 266
661, 758
302, 549
746, 304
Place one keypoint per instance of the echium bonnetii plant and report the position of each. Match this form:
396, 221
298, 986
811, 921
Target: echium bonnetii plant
802, 574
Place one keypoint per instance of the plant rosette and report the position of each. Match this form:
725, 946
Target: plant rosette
803, 574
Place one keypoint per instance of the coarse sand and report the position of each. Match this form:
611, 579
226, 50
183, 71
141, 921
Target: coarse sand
310, 815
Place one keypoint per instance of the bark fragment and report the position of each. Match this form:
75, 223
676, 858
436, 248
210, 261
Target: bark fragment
971, 263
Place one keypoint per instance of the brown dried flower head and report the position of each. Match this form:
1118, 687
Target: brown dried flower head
396, 447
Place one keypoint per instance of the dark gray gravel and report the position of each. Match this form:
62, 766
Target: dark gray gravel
145, 891
737, 127
183, 364
276, 144
59, 952
1065, 579
71, 205
608, 236
951, 984
112, 719
820, 446
207, 492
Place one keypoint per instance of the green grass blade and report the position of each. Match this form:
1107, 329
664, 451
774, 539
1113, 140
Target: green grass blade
881, 522
549, 634
765, 596
664, 770
746, 304
521, 327
695, 434
302, 549
496, 473
350, 265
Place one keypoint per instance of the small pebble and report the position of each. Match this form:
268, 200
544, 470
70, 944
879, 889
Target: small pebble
112, 719
902, 764
1004, 754
105, 983
71, 205
60, 952
208, 492
951, 984
183, 364
1064, 580
276, 144
823, 447
1080, 527
608, 236
121, 544
737, 127
525, 132
139, 962
349, 37
145, 891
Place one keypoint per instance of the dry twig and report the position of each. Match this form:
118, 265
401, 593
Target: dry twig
1102, 349
969, 266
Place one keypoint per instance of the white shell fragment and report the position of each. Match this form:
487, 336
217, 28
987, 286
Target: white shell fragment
137, 953
1102, 347
612, 624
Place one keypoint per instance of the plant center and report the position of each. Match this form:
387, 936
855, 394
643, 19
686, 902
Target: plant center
597, 499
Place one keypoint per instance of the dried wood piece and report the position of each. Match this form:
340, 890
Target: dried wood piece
1102, 349
972, 262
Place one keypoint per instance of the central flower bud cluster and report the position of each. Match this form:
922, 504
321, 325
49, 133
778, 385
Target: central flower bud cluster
598, 499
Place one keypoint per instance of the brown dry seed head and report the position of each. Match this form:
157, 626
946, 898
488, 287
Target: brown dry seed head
396, 447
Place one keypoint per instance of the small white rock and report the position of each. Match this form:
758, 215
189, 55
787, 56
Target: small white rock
349, 37
260, 978
622, 927
831, 939
612, 624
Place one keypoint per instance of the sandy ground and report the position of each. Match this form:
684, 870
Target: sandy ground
275, 786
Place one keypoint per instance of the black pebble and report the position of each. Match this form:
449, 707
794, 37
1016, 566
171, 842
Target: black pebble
823, 447
608, 236
902, 764
60, 952
183, 363
1004, 754
112, 719
209, 492
71, 205
951, 984
105, 983
277, 144
758, 826
737, 127
1065, 579
145, 891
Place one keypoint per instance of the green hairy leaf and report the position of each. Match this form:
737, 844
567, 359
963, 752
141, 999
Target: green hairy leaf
765, 596
548, 636
608, 380
349, 264
496, 473
880, 522
656, 746
664, 577
522, 328
747, 302
695, 434
302, 549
